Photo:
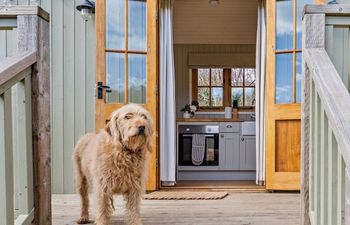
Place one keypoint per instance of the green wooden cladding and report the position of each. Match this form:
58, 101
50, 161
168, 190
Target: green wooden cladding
72, 83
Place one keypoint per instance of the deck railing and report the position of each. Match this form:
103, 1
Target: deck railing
25, 195
326, 115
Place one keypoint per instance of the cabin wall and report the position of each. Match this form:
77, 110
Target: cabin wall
72, 83
182, 73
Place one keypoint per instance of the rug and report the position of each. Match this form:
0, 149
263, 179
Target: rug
185, 195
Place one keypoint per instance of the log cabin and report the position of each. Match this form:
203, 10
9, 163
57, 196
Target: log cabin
269, 80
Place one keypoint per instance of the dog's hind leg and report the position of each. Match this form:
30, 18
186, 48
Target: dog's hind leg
133, 202
83, 190
84, 198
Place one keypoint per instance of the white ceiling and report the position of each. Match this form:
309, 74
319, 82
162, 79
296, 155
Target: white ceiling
231, 22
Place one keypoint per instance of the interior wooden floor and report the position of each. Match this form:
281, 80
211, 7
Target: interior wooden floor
235, 209
217, 185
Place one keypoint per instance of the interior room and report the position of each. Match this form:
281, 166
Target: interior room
215, 48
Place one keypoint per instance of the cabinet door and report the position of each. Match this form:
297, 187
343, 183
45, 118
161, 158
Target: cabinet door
229, 151
248, 153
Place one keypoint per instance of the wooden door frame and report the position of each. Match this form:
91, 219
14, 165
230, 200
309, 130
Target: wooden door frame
152, 81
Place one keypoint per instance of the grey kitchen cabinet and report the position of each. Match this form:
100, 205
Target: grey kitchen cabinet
229, 151
247, 153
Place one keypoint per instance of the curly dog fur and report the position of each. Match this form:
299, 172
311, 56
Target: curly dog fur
114, 161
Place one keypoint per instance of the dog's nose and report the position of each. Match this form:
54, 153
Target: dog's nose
141, 129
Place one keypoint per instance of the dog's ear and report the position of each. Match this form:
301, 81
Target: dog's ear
112, 128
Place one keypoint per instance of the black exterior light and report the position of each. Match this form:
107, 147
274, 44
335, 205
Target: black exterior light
333, 2
87, 8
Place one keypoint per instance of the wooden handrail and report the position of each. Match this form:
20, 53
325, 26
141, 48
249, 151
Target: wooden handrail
17, 10
334, 96
329, 9
11, 68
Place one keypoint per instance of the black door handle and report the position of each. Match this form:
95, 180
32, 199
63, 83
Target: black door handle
100, 88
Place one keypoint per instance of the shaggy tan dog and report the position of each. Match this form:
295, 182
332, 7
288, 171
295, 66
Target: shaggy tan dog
113, 161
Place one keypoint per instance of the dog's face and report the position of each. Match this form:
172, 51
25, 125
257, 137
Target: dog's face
132, 126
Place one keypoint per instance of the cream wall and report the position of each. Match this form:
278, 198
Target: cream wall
231, 22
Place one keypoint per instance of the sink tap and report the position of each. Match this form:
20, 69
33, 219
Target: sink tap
252, 116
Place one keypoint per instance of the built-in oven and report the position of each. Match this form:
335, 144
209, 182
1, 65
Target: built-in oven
210, 134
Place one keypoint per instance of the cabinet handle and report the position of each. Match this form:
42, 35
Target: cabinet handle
242, 139
228, 126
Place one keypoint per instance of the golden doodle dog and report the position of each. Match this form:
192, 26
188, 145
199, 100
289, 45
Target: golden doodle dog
114, 161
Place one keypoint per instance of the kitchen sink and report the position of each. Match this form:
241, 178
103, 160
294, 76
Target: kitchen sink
248, 128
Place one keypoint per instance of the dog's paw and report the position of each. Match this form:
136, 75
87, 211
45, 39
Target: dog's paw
84, 220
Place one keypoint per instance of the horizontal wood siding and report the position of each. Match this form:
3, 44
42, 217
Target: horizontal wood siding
181, 53
72, 84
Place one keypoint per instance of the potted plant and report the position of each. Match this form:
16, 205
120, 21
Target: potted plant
189, 110
235, 101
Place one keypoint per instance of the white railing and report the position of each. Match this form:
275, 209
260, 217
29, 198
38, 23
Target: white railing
25, 120
325, 124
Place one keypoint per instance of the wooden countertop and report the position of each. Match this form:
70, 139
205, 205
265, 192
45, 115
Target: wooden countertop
208, 120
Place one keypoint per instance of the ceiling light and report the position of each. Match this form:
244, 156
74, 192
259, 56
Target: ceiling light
214, 2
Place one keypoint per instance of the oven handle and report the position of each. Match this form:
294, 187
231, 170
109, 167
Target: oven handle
191, 135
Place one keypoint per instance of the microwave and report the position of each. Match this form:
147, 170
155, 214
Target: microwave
211, 144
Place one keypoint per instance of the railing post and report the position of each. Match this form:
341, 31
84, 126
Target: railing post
6, 168
347, 196
33, 34
313, 37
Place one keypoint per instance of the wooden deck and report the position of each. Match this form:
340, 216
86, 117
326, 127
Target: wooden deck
236, 209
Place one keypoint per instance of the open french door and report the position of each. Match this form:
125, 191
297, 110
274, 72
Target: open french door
283, 93
126, 63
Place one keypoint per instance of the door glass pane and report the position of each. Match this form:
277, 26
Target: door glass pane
217, 77
203, 77
249, 96
115, 24
137, 25
137, 78
237, 77
249, 77
203, 96
284, 24
216, 96
237, 94
298, 76
300, 7
284, 78
115, 70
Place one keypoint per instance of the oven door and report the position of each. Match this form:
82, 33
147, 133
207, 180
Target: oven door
211, 157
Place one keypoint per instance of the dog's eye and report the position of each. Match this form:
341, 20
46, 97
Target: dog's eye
144, 116
128, 116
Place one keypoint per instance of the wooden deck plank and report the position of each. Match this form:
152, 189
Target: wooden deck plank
237, 208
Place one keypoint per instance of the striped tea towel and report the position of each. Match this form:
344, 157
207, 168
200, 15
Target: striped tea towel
198, 149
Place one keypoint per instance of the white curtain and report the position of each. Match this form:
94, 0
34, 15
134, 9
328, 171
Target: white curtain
260, 92
167, 134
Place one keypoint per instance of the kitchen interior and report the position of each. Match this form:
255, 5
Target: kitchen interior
214, 51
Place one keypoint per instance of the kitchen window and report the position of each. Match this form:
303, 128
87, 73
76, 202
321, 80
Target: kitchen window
216, 88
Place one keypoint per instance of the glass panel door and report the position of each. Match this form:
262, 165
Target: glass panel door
288, 50
126, 51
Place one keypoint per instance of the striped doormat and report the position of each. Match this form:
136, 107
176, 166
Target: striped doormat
185, 195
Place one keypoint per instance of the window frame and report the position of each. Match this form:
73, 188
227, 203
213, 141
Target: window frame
294, 51
125, 51
227, 89
244, 87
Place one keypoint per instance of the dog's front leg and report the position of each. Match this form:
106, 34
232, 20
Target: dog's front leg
103, 207
133, 202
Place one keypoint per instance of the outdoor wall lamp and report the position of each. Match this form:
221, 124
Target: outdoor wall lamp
86, 9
